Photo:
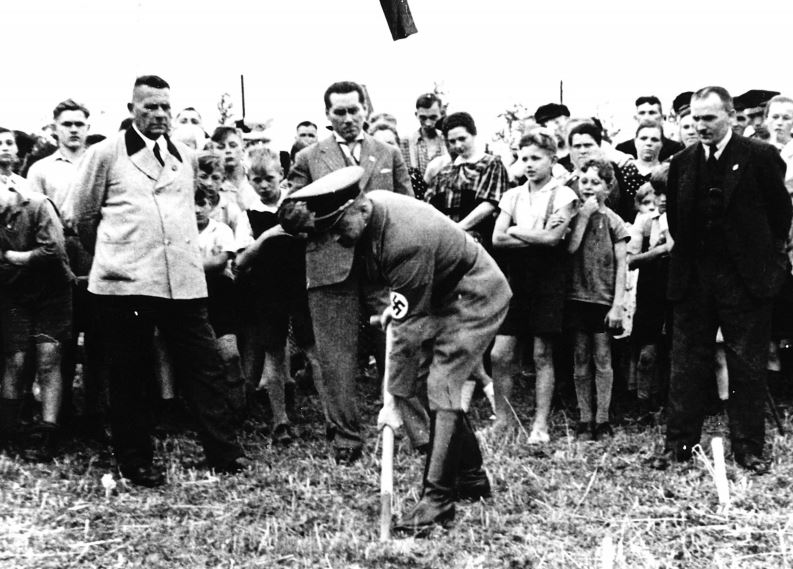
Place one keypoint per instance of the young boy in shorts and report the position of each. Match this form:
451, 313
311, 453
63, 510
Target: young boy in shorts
272, 286
531, 228
596, 287
648, 255
35, 303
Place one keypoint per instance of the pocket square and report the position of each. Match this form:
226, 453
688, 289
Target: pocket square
386, 171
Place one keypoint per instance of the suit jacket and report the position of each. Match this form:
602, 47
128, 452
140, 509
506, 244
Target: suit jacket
757, 215
138, 218
384, 169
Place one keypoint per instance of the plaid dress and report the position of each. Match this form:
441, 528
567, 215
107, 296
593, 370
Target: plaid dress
459, 188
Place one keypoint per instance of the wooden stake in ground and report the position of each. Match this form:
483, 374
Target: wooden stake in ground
720, 472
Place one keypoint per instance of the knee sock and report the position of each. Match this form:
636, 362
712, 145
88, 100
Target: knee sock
603, 383
583, 392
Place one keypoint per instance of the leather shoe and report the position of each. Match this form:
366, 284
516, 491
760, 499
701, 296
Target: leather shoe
753, 463
282, 434
424, 516
148, 476
347, 456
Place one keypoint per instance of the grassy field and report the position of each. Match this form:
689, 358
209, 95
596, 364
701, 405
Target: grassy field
565, 505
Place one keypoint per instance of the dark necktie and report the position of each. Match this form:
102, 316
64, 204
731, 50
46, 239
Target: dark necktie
713, 162
157, 154
349, 156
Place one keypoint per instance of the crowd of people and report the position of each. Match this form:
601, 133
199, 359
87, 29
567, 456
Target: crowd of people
650, 278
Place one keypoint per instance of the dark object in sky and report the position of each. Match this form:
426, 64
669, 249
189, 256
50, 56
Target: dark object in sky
400, 20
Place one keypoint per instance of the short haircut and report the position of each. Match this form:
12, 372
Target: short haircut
605, 170
153, 81
221, 133
649, 100
541, 138
188, 109
4, 130
648, 124
69, 105
384, 126
644, 190
201, 197
264, 160
589, 128
459, 119
306, 123
426, 100
658, 178
342, 88
378, 118
777, 99
720, 92
209, 162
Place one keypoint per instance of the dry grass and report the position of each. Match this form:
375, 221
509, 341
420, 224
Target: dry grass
567, 505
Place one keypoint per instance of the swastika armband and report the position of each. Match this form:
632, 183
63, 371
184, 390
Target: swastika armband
399, 305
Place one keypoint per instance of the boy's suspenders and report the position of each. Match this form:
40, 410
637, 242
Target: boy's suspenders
549, 208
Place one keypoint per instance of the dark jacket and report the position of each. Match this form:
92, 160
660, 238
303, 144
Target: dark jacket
29, 222
757, 215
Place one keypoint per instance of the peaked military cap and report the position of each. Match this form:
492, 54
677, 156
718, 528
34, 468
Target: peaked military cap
316, 207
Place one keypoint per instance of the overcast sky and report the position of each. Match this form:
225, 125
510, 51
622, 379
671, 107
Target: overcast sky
488, 54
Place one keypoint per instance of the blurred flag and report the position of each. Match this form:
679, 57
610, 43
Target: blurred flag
400, 20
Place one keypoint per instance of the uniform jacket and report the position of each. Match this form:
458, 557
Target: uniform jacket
757, 214
29, 223
421, 256
384, 169
138, 218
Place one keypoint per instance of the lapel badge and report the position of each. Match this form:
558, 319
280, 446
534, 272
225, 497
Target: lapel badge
371, 158
734, 167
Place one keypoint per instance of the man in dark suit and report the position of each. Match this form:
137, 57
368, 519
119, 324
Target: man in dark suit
729, 214
335, 297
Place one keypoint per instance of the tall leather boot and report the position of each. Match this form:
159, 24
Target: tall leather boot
472, 482
436, 506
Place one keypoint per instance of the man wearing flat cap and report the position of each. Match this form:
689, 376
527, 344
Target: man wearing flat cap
750, 112
681, 108
335, 296
447, 300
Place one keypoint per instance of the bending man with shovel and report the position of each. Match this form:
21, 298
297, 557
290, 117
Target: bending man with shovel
448, 298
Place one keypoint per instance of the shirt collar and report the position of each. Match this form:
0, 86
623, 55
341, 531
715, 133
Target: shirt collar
475, 157
722, 144
148, 141
549, 185
16, 194
59, 156
340, 139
